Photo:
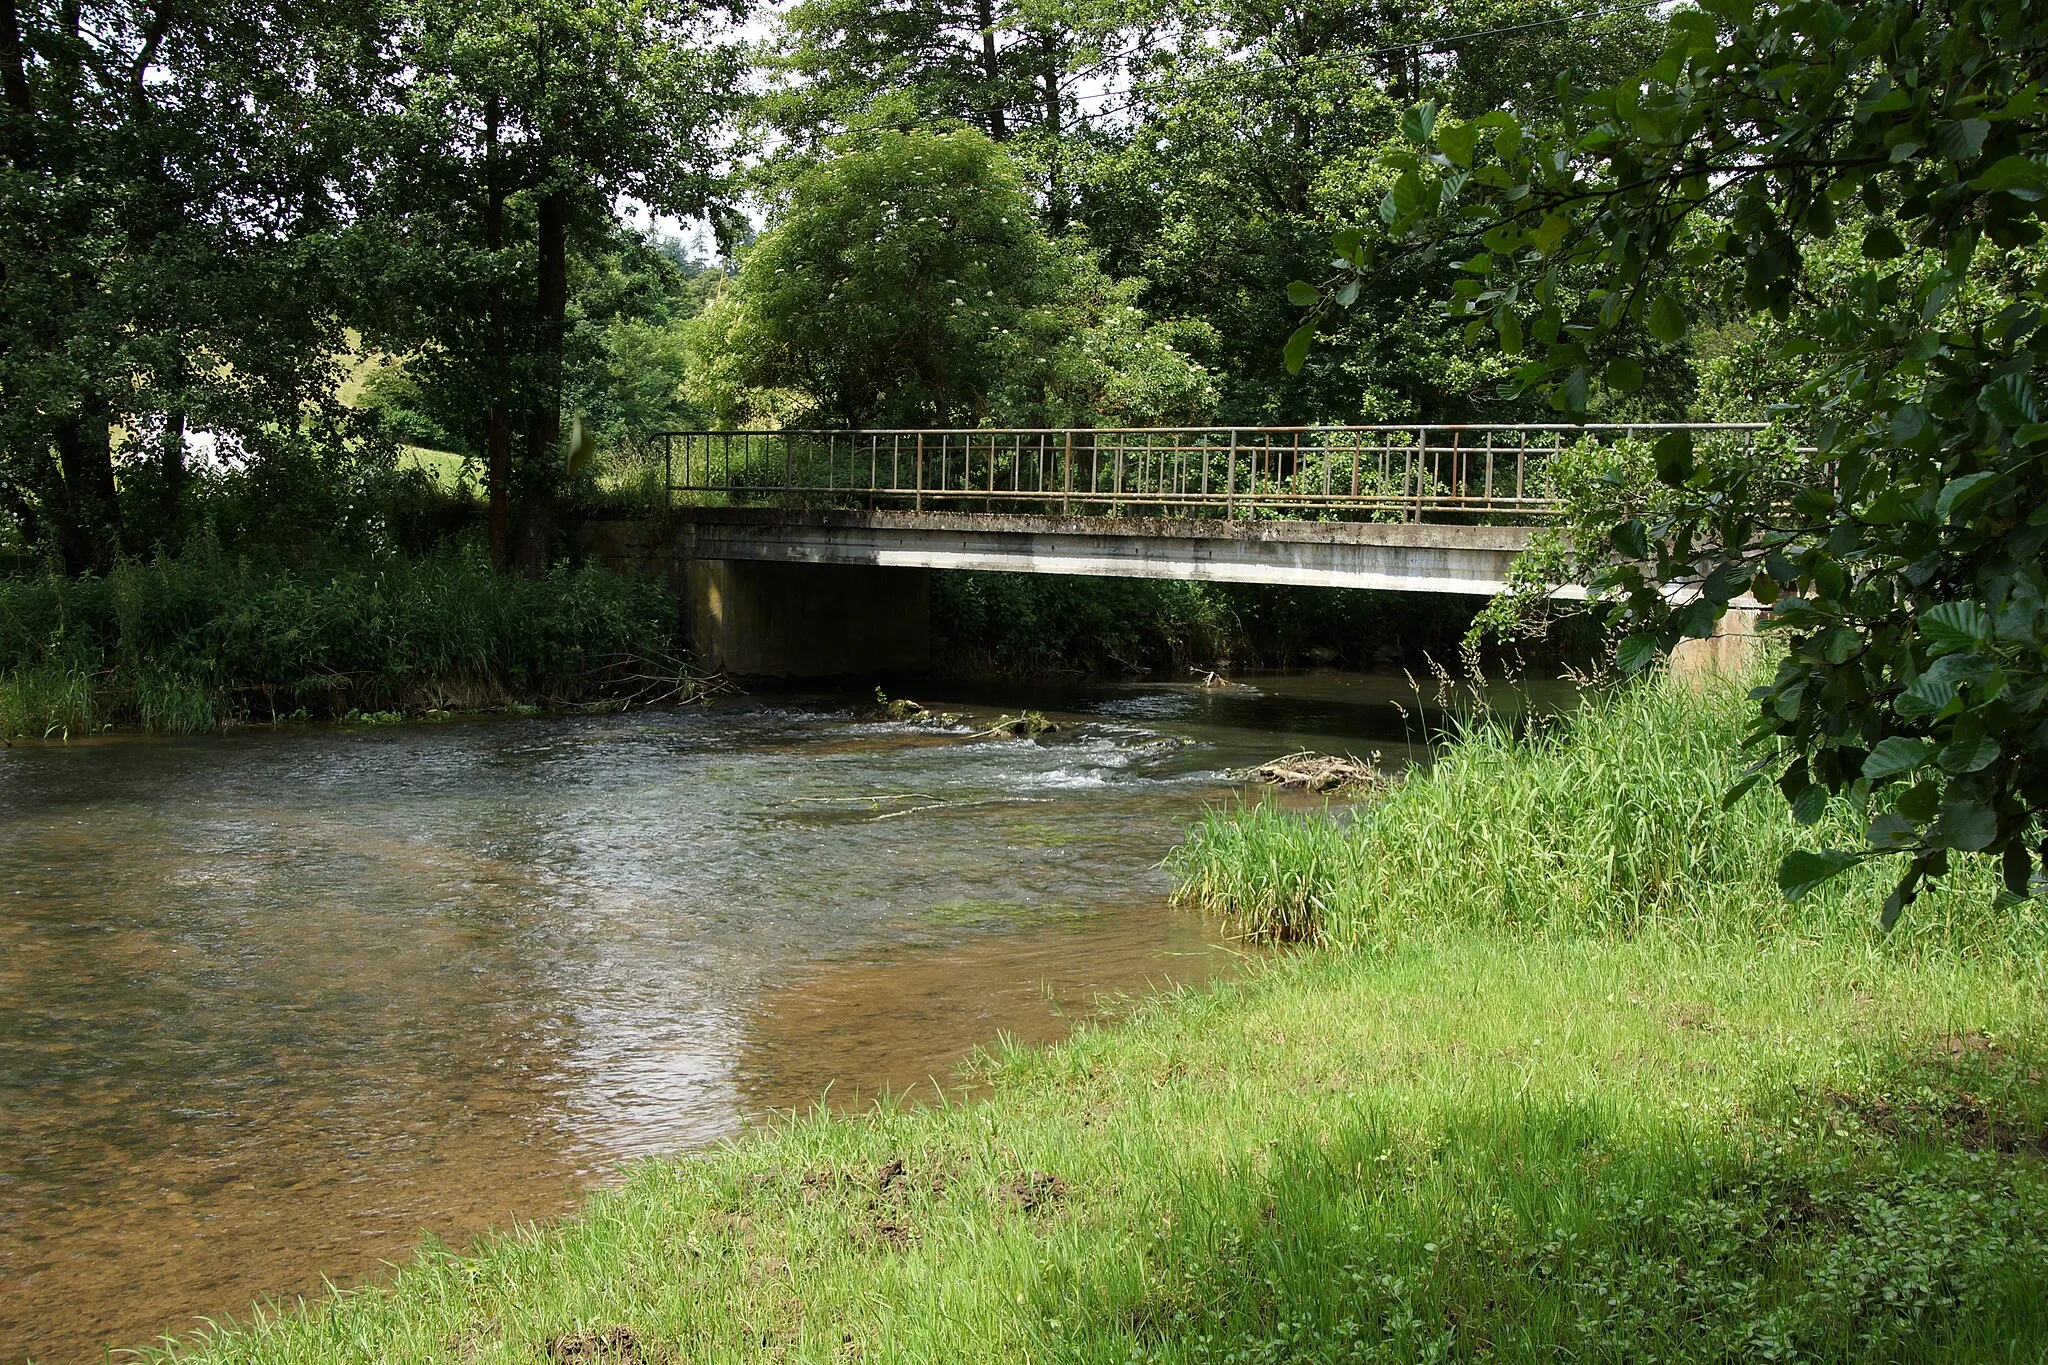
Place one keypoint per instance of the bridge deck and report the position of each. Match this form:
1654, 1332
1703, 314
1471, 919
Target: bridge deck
1399, 557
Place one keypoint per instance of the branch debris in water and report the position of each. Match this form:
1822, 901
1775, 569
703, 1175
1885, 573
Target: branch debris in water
1313, 772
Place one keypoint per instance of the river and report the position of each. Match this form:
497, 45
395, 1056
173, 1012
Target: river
275, 1004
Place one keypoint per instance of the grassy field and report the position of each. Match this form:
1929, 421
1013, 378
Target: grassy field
1633, 1110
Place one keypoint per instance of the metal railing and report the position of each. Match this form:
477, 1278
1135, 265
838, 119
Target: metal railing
1356, 473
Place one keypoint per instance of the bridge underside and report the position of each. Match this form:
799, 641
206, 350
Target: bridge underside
1389, 557
859, 606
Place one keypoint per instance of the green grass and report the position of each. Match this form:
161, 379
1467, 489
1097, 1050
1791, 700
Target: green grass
1625, 1114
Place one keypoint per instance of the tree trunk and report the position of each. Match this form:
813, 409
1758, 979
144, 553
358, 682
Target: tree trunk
544, 425
172, 461
89, 528
20, 113
498, 424
992, 71
1056, 205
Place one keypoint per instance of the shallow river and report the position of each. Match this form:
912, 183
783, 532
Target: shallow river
274, 1005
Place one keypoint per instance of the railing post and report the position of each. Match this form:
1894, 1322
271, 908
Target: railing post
1230, 478
917, 500
1067, 480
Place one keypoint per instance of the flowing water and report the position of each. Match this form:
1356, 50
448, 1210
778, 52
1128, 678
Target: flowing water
276, 1004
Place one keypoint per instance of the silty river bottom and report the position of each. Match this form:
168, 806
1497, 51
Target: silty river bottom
276, 1004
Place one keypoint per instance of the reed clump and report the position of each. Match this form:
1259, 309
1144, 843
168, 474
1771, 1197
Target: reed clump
189, 642
1606, 819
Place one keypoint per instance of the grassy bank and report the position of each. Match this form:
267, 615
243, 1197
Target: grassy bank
1619, 1111
188, 642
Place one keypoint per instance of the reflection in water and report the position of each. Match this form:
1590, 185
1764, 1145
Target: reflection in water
273, 1005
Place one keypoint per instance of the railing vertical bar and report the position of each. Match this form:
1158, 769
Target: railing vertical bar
1067, 494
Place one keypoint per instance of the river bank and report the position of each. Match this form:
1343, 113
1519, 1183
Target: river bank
1607, 1111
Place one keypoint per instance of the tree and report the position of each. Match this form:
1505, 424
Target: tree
1901, 556
905, 281
517, 130
1264, 124
170, 174
1013, 70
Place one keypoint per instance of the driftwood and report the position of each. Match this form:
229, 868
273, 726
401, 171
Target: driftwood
1313, 772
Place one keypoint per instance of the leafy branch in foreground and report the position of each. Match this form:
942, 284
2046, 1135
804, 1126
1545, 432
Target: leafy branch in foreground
1900, 558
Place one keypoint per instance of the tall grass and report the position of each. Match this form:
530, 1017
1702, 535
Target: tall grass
189, 641
1605, 820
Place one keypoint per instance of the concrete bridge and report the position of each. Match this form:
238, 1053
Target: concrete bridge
808, 553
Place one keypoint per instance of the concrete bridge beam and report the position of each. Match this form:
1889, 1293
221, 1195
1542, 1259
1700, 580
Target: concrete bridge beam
814, 594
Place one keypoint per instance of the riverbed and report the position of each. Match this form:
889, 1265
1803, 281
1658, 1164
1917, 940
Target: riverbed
276, 1004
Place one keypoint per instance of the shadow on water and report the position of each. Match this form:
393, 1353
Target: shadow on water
274, 1004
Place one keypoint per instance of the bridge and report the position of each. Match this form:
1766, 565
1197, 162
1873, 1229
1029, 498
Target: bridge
807, 552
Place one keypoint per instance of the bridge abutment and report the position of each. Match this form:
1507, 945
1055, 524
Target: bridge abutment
776, 618
781, 620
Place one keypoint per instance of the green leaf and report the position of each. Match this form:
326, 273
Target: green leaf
1459, 142
1550, 233
1573, 392
1418, 122
1629, 540
1801, 872
1740, 790
1508, 140
1956, 625
1962, 758
1636, 653
1509, 326
1926, 697
1966, 824
1958, 493
2017, 868
1889, 833
1673, 453
2020, 176
1624, 375
1961, 140
1667, 318
1919, 801
2010, 399
1880, 243
1895, 904
1301, 294
1296, 350
1894, 755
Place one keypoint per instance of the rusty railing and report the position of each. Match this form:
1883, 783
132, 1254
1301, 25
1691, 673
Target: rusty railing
1352, 473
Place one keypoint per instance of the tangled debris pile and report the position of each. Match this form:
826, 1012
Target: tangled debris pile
1310, 771
903, 709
